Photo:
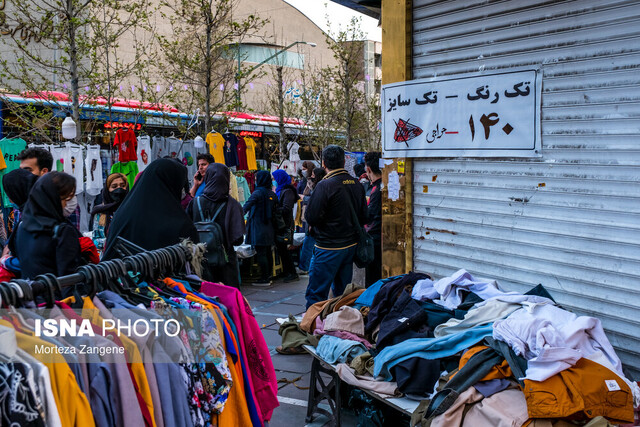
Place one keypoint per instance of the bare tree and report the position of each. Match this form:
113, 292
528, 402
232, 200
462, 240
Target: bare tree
200, 53
66, 44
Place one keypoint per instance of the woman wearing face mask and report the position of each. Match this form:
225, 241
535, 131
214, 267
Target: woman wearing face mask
115, 190
46, 242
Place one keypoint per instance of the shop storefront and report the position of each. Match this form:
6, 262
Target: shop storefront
514, 138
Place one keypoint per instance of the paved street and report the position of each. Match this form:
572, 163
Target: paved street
280, 300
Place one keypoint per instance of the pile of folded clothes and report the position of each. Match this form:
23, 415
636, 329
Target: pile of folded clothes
471, 353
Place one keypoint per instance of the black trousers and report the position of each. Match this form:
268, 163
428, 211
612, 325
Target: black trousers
264, 258
373, 271
288, 268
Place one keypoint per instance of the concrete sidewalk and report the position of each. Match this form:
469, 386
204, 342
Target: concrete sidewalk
280, 300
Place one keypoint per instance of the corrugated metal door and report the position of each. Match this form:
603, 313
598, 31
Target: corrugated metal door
571, 219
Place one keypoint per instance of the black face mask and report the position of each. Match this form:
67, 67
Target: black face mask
118, 194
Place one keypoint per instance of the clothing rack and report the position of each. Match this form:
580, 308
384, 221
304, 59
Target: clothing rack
149, 264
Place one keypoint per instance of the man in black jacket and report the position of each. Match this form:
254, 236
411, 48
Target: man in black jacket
374, 216
330, 218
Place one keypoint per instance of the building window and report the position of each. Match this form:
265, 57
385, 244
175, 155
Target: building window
257, 54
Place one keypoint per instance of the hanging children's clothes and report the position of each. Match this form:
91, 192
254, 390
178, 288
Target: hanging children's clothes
230, 150
74, 164
251, 154
58, 154
216, 146
293, 148
130, 169
127, 143
10, 150
242, 154
251, 180
93, 166
144, 152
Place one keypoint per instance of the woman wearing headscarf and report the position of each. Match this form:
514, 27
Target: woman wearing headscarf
46, 242
307, 246
230, 218
17, 186
287, 198
115, 190
260, 208
151, 216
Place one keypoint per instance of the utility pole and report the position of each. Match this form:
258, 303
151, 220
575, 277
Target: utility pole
283, 146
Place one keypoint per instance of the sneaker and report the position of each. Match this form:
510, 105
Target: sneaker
302, 272
262, 283
290, 278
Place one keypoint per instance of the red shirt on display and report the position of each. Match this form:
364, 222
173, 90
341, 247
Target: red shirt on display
127, 145
242, 154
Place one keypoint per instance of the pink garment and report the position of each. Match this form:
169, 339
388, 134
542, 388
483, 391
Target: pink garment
256, 353
319, 330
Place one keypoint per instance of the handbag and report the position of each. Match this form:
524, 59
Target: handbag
365, 251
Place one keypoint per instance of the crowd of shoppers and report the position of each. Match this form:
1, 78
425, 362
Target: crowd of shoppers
161, 209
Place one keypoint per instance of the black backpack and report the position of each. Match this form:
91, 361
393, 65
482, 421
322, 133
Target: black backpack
210, 233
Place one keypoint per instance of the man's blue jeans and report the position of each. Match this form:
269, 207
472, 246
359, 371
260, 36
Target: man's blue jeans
329, 267
306, 253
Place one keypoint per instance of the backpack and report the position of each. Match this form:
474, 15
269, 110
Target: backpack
210, 233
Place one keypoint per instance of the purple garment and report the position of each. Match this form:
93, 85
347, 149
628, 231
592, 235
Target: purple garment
319, 330
491, 387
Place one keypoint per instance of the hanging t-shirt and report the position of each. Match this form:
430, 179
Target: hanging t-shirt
233, 186
159, 147
230, 150
251, 154
293, 148
74, 164
3, 164
10, 150
58, 154
188, 157
243, 189
144, 152
130, 169
93, 166
216, 146
173, 147
127, 143
242, 154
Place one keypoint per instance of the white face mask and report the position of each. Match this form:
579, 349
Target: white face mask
70, 206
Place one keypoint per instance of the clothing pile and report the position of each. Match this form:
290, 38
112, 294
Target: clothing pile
471, 353
217, 371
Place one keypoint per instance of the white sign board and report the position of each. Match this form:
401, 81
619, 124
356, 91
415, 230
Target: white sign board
488, 115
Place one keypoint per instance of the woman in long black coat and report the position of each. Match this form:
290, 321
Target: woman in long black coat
287, 199
260, 208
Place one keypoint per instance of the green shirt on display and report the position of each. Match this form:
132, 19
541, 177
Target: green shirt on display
10, 150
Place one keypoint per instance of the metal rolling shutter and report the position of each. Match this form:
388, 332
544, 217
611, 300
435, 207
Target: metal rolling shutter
571, 219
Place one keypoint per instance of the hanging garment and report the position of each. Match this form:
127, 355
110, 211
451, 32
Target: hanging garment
130, 169
10, 150
243, 189
188, 157
74, 164
58, 154
233, 186
293, 148
251, 154
242, 154
93, 166
251, 180
159, 147
127, 143
216, 146
250, 338
144, 152
230, 150
173, 147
